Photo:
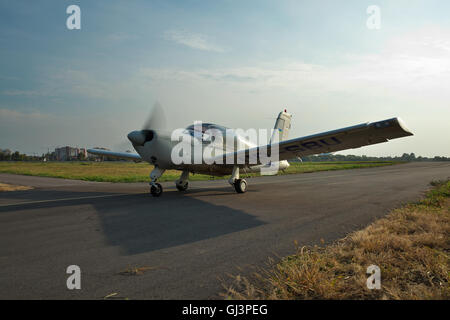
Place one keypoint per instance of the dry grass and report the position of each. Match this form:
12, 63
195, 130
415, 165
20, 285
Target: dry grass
411, 246
11, 187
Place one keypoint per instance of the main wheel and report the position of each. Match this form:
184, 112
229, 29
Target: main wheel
182, 187
240, 185
156, 190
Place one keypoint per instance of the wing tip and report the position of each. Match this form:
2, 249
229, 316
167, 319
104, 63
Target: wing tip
403, 126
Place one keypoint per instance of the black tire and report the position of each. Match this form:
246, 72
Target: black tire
240, 185
156, 190
182, 187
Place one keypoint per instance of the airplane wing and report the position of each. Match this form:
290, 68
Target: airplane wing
117, 155
341, 139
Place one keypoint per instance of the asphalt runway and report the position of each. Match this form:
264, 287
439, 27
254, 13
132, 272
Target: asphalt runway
188, 241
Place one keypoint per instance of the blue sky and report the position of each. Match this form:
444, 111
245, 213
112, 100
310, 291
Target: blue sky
237, 63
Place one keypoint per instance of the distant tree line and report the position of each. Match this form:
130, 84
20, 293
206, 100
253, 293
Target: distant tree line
341, 157
7, 155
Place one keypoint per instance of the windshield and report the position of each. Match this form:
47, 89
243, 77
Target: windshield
204, 127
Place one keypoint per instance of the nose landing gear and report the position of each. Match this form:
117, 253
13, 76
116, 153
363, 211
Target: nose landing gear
155, 188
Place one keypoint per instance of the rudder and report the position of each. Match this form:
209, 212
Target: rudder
282, 126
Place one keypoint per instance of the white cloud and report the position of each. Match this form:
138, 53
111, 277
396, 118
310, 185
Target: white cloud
416, 64
192, 40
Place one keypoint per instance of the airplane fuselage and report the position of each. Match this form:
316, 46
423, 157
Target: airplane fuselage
158, 152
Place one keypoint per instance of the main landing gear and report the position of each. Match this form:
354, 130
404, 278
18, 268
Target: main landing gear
240, 185
155, 188
182, 183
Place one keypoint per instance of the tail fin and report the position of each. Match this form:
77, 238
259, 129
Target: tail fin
282, 126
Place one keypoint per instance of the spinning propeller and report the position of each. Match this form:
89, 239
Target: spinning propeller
156, 123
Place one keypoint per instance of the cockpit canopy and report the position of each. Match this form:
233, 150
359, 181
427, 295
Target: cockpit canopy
218, 135
193, 130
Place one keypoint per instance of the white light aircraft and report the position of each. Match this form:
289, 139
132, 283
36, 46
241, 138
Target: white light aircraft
155, 145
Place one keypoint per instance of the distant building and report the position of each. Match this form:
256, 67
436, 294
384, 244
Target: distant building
83, 153
69, 153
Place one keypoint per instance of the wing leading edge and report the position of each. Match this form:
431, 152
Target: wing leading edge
117, 155
331, 141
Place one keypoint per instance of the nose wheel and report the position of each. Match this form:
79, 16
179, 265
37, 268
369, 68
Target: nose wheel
156, 190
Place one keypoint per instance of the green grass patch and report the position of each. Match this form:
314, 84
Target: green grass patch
139, 172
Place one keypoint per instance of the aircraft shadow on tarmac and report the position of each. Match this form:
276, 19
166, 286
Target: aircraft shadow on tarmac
139, 223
